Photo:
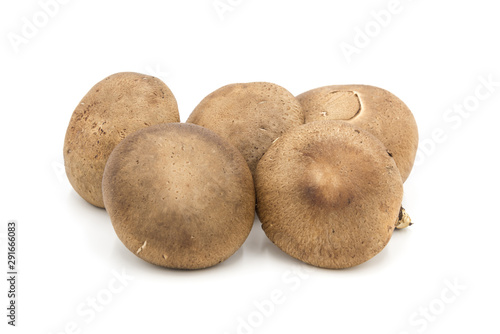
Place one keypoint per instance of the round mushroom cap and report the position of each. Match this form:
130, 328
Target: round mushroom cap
179, 196
250, 116
328, 194
372, 109
116, 106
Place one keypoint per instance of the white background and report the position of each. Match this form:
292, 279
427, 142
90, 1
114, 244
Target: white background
432, 54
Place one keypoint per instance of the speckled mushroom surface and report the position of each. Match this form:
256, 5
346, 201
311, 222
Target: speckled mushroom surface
370, 108
179, 196
115, 107
328, 194
249, 115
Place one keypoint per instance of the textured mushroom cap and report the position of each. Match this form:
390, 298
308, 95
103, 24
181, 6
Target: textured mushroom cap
372, 109
249, 115
116, 106
179, 196
328, 194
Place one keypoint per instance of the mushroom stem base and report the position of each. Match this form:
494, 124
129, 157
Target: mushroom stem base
404, 220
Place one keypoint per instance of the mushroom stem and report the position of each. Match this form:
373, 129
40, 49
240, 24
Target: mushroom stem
404, 220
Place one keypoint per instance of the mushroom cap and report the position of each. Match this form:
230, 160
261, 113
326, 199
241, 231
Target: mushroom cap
179, 196
372, 109
249, 115
328, 194
116, 106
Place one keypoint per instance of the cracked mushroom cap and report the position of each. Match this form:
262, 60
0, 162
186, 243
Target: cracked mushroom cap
372, 109
328, 194
179, 196
116, 106
249, 115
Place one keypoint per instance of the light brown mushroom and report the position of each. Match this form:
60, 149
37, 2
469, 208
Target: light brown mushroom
116, 106
179, 196
249, 115
328, 194
372, 109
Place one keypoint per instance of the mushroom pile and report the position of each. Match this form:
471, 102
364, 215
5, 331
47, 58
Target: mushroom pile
324, 170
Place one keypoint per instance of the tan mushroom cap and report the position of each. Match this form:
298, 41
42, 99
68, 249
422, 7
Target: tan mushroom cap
328, 194
249, 115
372, 109
179, 196
116, 106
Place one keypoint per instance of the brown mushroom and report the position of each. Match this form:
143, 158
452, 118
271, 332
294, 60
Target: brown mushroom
372, 109
328, 194
179, 196
249, 115
118, 105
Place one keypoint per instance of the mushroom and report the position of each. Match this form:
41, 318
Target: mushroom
328, 194
179, 196
116, 106
249, 115
372, 109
